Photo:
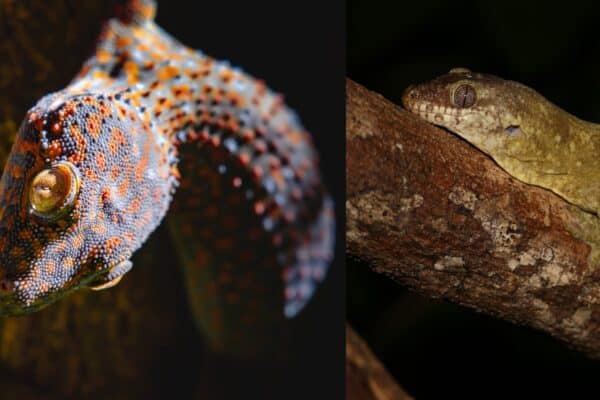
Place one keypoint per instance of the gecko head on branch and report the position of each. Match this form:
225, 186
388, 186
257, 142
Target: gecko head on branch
85, 184
532, 139
502, 118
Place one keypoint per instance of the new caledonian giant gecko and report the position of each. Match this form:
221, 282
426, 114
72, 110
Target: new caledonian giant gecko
95, 167
531, 138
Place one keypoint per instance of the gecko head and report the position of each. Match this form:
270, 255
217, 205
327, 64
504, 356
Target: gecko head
493, 114
77, 197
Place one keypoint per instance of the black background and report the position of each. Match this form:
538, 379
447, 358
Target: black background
298, 49
436, 349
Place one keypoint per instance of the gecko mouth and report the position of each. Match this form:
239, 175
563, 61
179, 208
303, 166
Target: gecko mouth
438, 115
413, 102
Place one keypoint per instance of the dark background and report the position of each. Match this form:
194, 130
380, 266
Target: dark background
433, 348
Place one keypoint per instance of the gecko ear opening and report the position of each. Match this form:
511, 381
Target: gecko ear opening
114, 276
513, 130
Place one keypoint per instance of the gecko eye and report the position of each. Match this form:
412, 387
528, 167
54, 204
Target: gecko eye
464, 96
53, 190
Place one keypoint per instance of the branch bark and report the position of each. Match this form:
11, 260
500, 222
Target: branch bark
437, 215
366, 377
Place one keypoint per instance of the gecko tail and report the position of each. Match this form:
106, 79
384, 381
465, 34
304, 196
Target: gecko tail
136, 12
312, 260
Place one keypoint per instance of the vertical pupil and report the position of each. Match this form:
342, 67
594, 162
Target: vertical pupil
464, 96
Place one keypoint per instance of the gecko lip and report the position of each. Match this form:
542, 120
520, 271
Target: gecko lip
429, 111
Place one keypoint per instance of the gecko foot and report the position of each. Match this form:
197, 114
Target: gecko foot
113, 277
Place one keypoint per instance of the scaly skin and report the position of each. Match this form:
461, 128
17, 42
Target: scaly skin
532, 139
253, 200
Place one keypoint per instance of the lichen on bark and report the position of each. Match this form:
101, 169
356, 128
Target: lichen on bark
478, 236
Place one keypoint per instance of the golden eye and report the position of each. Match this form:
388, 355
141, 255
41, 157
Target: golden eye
53, 190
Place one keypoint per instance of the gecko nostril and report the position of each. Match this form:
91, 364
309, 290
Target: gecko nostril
408, 95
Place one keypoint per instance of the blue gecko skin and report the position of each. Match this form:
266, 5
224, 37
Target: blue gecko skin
150, 127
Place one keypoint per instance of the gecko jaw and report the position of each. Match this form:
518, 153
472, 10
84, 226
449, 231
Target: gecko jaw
449, 117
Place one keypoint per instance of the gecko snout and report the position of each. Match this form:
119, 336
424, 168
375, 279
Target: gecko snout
408, 96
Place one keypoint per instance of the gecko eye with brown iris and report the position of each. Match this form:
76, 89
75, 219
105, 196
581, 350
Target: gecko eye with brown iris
464, 96
53, 190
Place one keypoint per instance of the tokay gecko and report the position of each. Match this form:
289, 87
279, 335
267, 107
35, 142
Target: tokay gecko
148, 128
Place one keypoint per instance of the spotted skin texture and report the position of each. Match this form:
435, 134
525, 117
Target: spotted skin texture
148, 119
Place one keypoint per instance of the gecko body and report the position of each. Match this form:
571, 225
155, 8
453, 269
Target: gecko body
531, 138
147, 122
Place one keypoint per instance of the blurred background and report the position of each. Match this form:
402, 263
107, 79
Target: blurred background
433, 348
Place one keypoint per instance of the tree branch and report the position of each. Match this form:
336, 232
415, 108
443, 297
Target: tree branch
437, 215
366, 377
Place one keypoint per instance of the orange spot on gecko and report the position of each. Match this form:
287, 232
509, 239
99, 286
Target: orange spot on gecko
181, 91
68, 262
117, 139
131, 69
32, 116
235, 99
168, 72
93, 125
123, 187
97, 74
103, 56
91, 174
134, 205
101, 161
226, 75
51, 267
111, 244
69, 109
278, 178
55, 128
115, 172
104, 109
122, 41
99, 228
77, 241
